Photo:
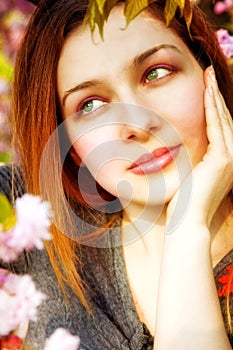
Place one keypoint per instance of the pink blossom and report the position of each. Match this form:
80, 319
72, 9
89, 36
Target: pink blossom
32, 227
3, 276
4, 86
19, 300
4, 147
222, 6
61, 339
7, 254
226, 42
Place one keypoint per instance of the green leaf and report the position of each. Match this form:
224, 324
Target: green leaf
170, 10
10, 222
185, 7
5, 208
188, 14
100, 4
108, 7
133, 8
6, 68
94, 16
7, 214
5, 157
99, 10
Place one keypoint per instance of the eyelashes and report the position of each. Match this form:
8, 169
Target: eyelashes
90, 105
151, 76
156, 73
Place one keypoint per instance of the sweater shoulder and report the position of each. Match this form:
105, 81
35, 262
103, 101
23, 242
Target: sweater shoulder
12, 183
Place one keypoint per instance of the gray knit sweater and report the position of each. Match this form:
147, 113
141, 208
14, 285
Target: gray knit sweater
113, 324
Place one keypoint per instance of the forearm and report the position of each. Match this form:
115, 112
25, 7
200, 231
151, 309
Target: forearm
188, 310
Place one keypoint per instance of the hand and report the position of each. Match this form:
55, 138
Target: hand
212, 178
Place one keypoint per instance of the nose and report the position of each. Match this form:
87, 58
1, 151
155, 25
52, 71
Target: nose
133, 132
137, 122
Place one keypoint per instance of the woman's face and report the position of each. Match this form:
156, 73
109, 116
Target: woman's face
133, 107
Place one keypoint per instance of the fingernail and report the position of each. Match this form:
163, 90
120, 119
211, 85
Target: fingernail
212, 74
210, 90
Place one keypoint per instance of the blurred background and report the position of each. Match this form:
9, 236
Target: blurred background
14, 16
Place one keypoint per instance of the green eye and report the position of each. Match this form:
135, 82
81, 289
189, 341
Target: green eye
88, 106
91, 106
157, 73
153, 74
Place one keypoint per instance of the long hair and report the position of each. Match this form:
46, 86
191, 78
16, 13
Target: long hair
37, 114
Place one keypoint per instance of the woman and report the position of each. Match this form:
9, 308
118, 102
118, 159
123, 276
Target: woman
141, 117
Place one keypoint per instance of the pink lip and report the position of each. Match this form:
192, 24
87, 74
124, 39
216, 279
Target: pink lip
150, 163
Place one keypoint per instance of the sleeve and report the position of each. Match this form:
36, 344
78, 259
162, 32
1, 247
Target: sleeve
223, 273
11, 181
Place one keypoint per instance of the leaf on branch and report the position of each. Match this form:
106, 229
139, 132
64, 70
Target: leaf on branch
7, 214
5, 208
94, 16
98, 11
100, 4
171, 8
6, 68
5, 157
188, 14
108, 7
133, 8
185, 8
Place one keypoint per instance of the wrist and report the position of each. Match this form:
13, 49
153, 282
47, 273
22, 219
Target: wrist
188, 233
181, 221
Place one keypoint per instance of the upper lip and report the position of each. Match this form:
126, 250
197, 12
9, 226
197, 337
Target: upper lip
147, 157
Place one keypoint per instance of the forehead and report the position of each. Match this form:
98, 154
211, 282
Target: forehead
83, 55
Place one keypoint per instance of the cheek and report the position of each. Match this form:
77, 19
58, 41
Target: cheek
101, 160
186, 109
82, 148
97, 148
86, 146
190, 121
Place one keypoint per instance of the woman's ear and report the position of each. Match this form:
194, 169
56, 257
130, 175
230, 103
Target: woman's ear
78, 161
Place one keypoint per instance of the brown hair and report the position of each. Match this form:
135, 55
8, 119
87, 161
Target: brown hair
37, 114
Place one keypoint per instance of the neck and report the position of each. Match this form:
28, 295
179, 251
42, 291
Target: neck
146, 224
143, 224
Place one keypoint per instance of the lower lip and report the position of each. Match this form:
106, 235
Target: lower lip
156, 164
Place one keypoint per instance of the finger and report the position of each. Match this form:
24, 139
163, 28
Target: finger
220, 102
224, 115
217, 115
213, 123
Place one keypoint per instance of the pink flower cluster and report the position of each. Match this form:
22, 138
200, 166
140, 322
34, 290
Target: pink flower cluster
223, 6
19, 300
32, 227
226, 42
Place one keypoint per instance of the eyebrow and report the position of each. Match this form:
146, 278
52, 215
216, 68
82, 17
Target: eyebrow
82, 86
143, 56
136, 61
